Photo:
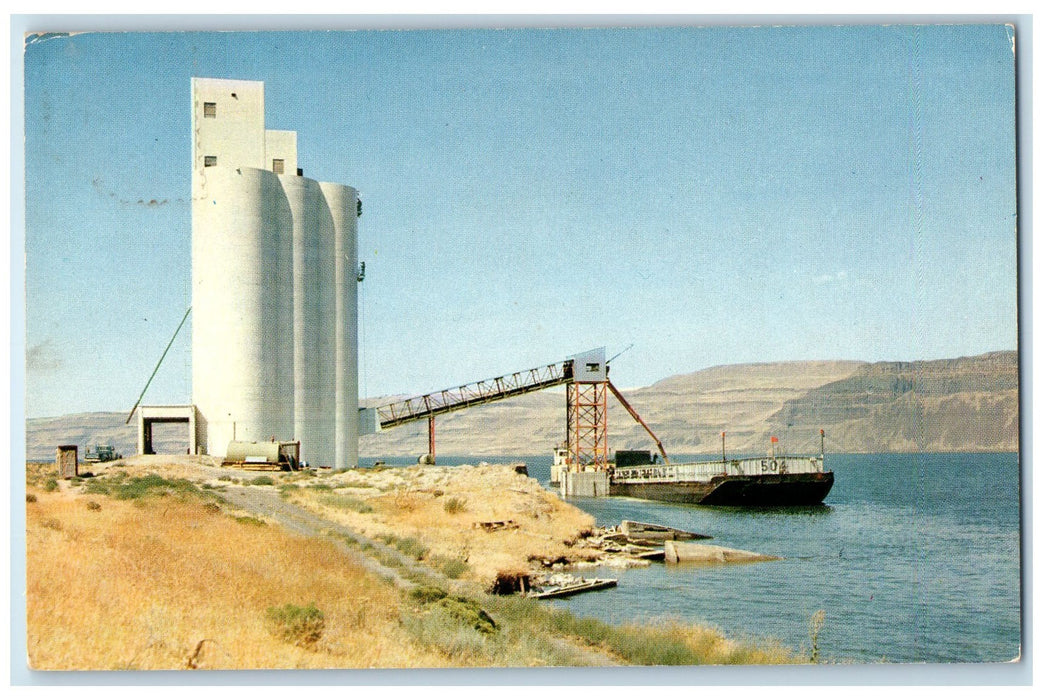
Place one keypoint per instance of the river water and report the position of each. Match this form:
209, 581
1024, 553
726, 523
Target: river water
913, 558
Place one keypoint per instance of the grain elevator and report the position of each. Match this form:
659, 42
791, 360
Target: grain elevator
274, 285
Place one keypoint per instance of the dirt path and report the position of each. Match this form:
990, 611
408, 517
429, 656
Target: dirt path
267, 503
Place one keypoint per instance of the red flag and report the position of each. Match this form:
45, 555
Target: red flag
774, 439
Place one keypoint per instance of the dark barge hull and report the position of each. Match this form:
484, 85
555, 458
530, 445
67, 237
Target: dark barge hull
755, 490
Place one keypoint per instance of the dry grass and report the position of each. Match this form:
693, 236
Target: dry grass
166, 578
679, 643
411, 503
142, 584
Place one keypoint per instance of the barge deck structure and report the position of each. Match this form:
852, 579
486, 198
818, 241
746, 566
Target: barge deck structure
773, 481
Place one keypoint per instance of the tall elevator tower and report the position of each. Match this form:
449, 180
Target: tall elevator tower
274, 285
586, 410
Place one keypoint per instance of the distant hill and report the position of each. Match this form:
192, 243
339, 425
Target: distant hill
968, 404
43, 435
965, 405
960, 405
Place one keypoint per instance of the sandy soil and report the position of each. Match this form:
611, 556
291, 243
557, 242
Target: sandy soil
486, 515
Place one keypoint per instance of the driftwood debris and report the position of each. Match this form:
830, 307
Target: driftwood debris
659, 533
638, 541
494, 525
565, 585
511, 582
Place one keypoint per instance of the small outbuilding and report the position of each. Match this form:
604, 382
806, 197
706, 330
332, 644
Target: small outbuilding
67, 460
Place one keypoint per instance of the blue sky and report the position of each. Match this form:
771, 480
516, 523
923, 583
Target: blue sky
711, 196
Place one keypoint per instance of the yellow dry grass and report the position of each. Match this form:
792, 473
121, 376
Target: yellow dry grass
413, 504
163, 583
173, 582
712, 647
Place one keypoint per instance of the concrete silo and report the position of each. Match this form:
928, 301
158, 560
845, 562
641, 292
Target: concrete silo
242, 381
343, 206
313, 307
274, 286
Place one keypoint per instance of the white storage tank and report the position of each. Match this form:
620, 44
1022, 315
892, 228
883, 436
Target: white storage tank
324, 370
242, 306
313, 305
343, 206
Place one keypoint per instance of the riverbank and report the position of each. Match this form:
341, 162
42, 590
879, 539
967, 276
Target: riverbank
170, 563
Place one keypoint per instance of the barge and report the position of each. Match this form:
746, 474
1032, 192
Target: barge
775, 480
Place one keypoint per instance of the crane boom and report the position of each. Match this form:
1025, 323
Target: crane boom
635, 416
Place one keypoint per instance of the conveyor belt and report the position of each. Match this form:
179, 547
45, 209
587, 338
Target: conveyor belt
474, 394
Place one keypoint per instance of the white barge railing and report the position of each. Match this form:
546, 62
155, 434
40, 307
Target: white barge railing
704, 471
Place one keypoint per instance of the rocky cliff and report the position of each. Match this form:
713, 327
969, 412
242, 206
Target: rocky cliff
963, 405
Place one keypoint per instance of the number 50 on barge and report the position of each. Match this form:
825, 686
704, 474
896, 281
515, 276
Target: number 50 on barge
774, 480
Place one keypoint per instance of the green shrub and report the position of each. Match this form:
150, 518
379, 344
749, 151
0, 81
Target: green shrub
93, 505
50, 485
97, 486
361, 506
298, 625
455, 568
464, 610
454, 505
465, 646
450, 567
391, 561
344, 502
142, 486
427, 594
30, 498
321, 487
468, 612
249, 520
262, 481
412, 547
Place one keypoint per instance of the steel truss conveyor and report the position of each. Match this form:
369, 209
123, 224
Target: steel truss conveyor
585, 374
473, 394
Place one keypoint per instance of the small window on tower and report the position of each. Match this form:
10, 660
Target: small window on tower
277, 165
209, 161
210, 109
